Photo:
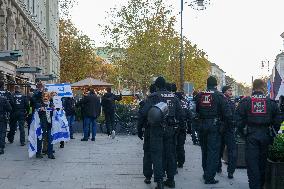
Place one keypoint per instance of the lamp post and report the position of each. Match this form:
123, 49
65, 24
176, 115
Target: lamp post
196, 5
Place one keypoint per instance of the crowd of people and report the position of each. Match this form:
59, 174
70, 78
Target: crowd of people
165, 117
17, 109
213, 119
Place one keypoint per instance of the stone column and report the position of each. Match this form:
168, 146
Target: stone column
3, 32
11, 29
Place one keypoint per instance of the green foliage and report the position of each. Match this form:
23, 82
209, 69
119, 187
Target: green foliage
276, 151
145, 30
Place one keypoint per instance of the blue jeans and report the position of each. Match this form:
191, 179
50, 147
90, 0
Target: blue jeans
71, 120
86, 127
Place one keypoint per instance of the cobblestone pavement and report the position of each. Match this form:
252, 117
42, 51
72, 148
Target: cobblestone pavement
103, 164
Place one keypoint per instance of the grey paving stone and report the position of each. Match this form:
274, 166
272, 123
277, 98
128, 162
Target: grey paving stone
104, 164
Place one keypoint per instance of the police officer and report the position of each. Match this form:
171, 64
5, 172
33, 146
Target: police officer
181, 132
211, 107
193, 128
20, 107
258, 112
5, 107
228, 137
162, 132
147, 160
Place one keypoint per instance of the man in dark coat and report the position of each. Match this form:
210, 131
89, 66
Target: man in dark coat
108, 104
212, 108
92, 110
20, 108
259, 113
5, 108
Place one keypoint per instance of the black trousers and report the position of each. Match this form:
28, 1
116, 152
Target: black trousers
3, 129
180, 152
109, 118
210, 142
257, 142
229, 139
147, 160
17, 121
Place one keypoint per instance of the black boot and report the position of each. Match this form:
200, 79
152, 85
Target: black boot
160, 185
1, 151
213, 181
230, 175
147, 180
170, 183
62, 144
51, 156
39, 155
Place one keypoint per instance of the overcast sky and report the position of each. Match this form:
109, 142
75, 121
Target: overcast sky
236, 34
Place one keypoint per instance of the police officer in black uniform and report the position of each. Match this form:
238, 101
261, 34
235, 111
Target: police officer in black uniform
211, 107
147, 160
20, 108
181, 132
228, 137
258, 112
162, 131
5, 108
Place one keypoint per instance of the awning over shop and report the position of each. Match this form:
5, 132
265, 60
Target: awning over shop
91, 82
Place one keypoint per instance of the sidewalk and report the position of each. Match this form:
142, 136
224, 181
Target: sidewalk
104, 164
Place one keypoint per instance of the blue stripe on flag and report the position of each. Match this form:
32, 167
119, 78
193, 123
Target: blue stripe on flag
32, 147
59, 135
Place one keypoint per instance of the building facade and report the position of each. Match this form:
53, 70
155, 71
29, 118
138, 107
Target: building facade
30, 26
220, 75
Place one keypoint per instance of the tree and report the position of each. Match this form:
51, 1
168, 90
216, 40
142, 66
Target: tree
145, 30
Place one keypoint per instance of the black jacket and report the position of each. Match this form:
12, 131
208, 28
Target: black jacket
69, 106
108, 101
20, 104
5, 108
91, 105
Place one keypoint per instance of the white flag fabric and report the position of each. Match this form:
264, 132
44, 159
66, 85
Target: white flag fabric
35, 133
60, 127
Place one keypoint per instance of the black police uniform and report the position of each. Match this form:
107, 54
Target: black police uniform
229, 139
193, 128
181, 133
211, 107
258, 113
147, 160
5, 108
162, 137
20, 107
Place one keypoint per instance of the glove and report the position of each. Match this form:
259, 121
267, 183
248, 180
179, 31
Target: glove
140, 135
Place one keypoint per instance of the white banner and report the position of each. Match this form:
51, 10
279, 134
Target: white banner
60, 127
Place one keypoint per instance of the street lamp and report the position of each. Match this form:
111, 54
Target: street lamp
196, 5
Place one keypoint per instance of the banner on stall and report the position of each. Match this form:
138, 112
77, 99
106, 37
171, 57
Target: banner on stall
62, 89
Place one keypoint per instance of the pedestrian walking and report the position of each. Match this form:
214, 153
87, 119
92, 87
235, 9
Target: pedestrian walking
92, 110
108, 104
143, 129
259, 113
20, 109
162, 131
212, 108
228, 137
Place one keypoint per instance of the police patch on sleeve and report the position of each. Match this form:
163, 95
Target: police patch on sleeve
206, 99
258, 105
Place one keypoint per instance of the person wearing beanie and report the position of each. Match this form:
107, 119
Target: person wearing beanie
212, 108
162, 136
258, 112
228, 137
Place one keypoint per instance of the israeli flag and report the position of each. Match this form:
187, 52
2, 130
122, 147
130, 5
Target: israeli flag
60, 127
35, 133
